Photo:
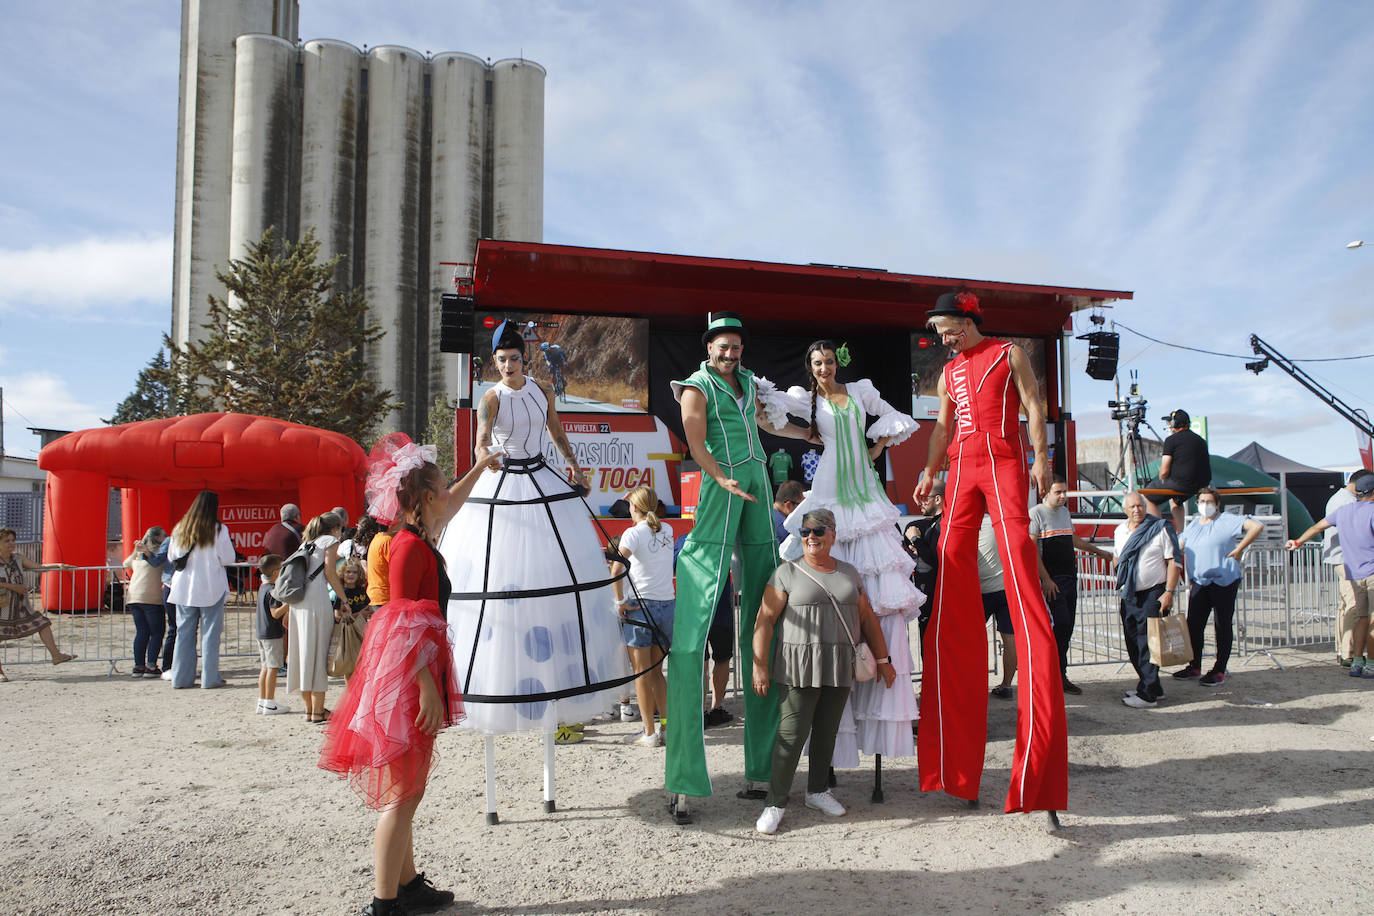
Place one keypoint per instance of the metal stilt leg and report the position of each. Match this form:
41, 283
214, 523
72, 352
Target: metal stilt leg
548, 771
492, 818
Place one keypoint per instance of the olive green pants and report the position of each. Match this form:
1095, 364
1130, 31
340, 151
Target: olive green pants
805, 711
724, 524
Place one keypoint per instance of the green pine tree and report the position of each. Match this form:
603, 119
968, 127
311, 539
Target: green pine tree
284, 344
439, 432
152, 398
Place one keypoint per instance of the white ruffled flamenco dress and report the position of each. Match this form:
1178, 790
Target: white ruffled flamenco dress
877, 719
536, 638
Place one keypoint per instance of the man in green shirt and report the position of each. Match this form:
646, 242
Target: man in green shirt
720, 416
780, 466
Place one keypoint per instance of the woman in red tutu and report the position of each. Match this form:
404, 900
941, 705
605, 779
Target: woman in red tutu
381, 736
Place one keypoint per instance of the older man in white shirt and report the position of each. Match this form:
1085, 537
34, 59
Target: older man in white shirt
1147, 572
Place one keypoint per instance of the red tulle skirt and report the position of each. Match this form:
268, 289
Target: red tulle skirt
371, 738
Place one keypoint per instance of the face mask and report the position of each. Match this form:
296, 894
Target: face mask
1207, 509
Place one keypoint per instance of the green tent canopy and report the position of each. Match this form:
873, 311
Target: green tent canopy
1227, 474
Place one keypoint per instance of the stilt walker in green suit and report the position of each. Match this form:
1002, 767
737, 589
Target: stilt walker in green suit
720, 415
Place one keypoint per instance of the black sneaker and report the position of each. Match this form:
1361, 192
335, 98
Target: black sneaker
1071, 687
138, 671
718, 716
420, 896
385, 908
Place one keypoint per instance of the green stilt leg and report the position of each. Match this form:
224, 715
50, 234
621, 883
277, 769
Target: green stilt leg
723, 523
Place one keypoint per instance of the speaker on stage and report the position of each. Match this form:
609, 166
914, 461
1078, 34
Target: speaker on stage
455, 323
1103, 348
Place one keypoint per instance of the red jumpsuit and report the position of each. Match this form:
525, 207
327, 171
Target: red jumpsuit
988, 473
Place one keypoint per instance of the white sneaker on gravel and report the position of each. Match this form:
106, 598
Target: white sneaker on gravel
825, 803
276, 709
644, 740
167, 674
1135, 702
769, 820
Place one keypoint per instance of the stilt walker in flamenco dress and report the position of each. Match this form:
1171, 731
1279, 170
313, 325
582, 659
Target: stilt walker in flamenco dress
721, 411
982, 390
877, 718
536, 637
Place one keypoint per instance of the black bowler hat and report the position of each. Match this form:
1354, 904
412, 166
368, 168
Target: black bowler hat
718, 323
957, 304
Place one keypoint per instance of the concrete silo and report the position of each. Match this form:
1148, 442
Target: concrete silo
396, 161
391, 259
517, 150
458, 115
205, 125
330, 119
264, 162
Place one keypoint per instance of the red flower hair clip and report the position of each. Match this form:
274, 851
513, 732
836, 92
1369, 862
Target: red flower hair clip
967, 302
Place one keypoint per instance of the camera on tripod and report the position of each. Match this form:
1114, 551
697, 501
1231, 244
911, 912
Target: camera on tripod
1130, 408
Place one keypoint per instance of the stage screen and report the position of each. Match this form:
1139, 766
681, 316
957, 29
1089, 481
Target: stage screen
928, 358
594, 363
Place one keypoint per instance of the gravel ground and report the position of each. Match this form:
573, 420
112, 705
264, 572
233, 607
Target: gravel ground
127, 797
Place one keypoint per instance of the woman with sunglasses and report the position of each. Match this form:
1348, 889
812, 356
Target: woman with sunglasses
820, 610
866, 536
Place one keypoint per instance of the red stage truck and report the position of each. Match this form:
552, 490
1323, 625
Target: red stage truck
608, 330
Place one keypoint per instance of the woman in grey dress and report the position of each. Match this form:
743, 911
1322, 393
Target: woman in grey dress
815, 604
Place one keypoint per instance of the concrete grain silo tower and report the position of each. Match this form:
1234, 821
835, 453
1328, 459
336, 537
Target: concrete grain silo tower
396, 159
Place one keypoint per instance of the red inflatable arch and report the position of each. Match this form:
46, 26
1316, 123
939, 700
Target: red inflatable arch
255, 464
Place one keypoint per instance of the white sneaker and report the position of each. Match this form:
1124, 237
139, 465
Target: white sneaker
276, 709
258, 711
1135, 702
643, 740
167, 675
825, 803
769, 820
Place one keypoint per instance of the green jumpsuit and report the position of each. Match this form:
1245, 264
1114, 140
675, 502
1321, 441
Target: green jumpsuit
724, 522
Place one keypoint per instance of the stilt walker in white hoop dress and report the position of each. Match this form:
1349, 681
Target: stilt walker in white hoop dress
878, 719
532, 616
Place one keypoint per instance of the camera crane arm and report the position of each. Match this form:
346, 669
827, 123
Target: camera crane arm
1357, 417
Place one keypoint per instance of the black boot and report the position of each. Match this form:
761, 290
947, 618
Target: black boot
419, 896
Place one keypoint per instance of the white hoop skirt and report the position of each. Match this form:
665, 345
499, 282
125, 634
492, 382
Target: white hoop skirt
532, 619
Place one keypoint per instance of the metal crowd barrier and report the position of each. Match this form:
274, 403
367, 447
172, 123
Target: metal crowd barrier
106, 633
1286, 600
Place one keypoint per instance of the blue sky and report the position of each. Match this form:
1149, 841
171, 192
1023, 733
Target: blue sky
1214, 158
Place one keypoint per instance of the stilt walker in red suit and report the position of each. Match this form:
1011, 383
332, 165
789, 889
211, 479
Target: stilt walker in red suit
982, 391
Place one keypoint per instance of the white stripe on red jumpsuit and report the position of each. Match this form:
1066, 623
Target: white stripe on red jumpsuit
988, 473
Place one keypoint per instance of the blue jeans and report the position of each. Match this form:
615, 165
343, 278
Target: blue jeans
648, 623
1063, 613
211, 621
149, 622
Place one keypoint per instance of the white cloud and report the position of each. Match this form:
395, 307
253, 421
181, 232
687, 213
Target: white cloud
41, 399
109, 274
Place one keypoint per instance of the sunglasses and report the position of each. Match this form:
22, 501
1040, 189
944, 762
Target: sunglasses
818, 531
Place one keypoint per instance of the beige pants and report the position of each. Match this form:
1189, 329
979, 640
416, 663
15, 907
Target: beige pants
1347, 615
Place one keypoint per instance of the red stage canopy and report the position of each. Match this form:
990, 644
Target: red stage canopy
672, 288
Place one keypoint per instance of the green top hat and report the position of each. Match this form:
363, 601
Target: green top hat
722, 322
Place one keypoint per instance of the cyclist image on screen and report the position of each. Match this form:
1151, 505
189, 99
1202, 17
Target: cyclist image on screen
556, 358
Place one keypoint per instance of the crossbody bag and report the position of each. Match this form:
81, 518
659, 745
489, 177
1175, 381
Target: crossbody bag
865, 665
